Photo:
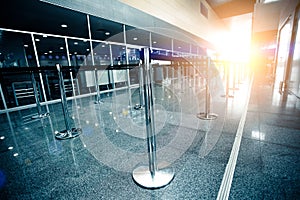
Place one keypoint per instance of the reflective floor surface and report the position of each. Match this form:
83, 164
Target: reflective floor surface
99, 163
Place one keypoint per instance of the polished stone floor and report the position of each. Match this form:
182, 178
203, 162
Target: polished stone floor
98, 164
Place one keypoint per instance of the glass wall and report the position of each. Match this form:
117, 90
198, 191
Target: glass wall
87, 44
295, 68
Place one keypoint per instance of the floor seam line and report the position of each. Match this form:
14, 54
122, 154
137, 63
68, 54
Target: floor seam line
225, 187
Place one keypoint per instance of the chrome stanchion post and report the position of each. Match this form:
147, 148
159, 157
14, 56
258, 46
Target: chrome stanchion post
37, 100
207, 115
141, 91
227, 71
150, 176
69, 132
98, 97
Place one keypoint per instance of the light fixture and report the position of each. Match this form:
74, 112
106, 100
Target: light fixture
45, 36
154, 42
61, 47
37, 40
107, 33
25, 45
75, 52
50, 51
103, 45
64, 25
45, 53
87, 49
135, 38
75, 43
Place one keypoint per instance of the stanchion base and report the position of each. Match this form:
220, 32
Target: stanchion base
68, 134
138, 107
227, 96
162, 177
207, 116
99, 102
40, 116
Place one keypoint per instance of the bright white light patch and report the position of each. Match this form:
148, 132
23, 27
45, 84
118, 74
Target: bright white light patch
258, 135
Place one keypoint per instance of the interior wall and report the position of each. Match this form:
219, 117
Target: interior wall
266, 16
184, 14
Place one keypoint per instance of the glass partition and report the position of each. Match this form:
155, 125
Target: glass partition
16, 50
101, 53
78, 52
137, 36
51, 50
118, 54
161, 42
105, 30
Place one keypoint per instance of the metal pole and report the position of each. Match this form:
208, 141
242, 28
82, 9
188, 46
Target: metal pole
69, 132
227, 71
150, 176
37, 99
98, 97
207, 115
3, 98
141, 90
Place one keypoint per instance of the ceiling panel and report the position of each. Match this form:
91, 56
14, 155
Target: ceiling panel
229, 8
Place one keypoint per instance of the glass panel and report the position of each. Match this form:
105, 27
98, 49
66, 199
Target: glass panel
118, 54
295, 72
101, 53
160, 41
137, 36
37, 16
283, 52
51, 50
16, 50
105, 30
181, 46
79, 51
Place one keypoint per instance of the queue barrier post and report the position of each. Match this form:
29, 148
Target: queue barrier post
227, 75
150, 176
37, 100
141, 90
207, 115
98, 97
68, 132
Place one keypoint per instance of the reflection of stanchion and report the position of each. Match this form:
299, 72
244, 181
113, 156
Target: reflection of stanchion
37, 100
98, 98
207, 115
141, 91
69, 132
150, 176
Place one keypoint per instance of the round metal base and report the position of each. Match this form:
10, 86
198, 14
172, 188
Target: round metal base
207, 116
99, 102
227, 96
138, 107
40, 116
68, 134
142, 176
